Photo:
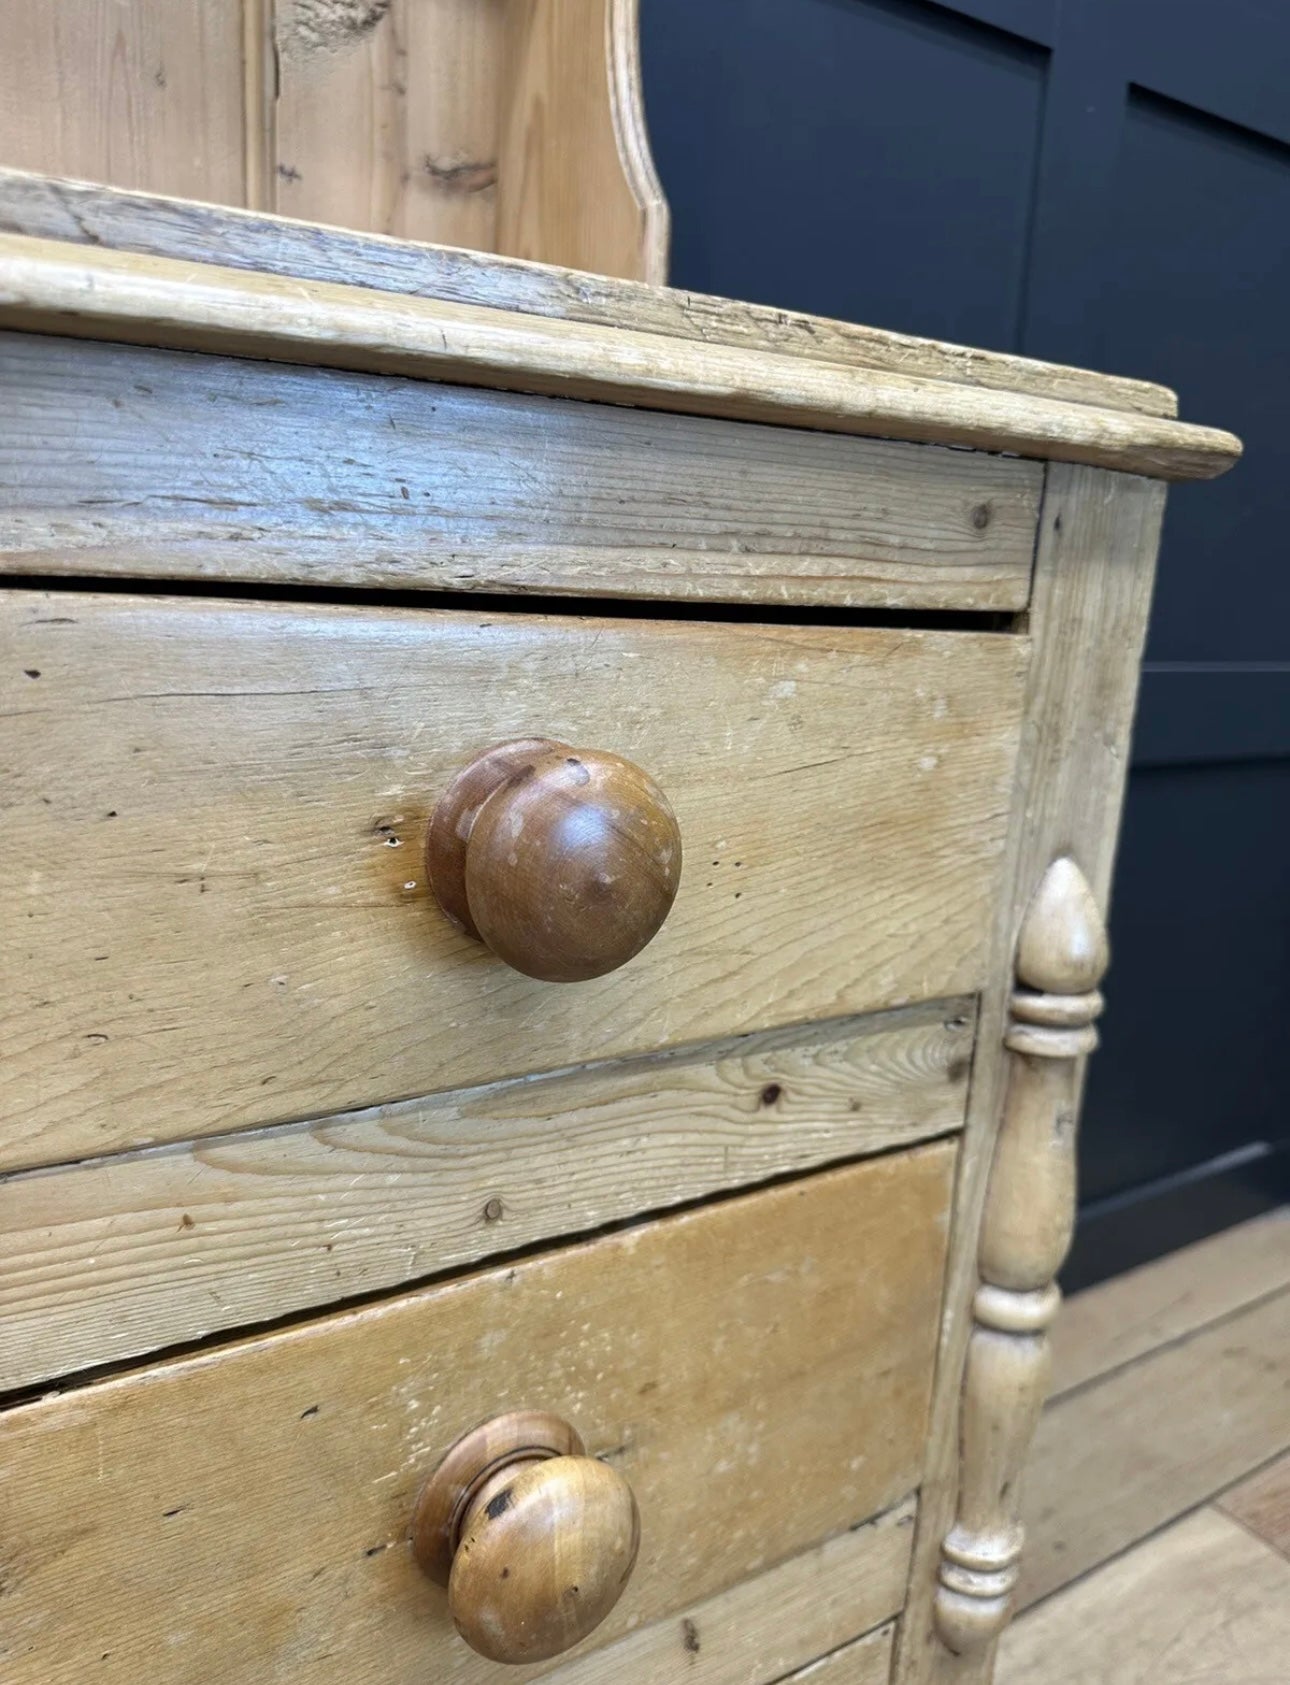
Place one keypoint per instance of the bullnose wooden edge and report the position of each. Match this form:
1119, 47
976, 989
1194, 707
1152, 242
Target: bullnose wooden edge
58, 287
89, 214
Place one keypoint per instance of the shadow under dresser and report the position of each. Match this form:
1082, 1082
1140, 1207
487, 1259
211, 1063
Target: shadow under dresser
592, 1205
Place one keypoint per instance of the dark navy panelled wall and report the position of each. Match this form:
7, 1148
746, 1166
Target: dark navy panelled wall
1105, 182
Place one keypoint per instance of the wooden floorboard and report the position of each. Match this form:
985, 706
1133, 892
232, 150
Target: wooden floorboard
1172, 1384
1262, 1504
1202, 1603
1134, 1314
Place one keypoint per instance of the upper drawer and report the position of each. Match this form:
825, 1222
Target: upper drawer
121, 460
213, 846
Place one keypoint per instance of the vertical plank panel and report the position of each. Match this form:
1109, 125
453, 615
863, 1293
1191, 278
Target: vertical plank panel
139, 93
387, 115
259, 105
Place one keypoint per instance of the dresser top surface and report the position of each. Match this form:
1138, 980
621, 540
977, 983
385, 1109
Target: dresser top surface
100, 262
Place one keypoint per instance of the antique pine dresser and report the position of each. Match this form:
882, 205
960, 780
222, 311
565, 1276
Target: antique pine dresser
441, 1228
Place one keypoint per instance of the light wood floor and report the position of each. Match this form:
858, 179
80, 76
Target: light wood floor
1158, 1502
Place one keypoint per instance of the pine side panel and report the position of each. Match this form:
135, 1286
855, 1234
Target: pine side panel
1099, 533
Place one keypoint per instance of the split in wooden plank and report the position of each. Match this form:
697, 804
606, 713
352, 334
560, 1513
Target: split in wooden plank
118, 1257
133, 222
1201, 1603
55, 287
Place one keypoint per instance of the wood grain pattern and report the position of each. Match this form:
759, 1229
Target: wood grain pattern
220, 886
54, 287
110, 1260
1201, 1604
718, 1359
510, 125
1025, 1234
1262, 1504
563, 861
146, 94
545, 1553
1118, 1458
576, 181
116, 460
1131, 1315
750, 1633
84, 214
387, 115
498, 124
866, 1662
1092, 591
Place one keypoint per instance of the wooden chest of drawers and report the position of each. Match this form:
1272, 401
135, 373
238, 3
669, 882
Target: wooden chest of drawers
303, 1182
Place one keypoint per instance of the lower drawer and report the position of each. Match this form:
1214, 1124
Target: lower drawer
758, 1370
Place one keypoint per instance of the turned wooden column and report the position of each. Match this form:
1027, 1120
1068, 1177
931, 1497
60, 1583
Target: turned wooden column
1025, 1235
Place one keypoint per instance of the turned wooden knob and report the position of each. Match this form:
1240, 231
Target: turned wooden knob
564, 862
533, 1539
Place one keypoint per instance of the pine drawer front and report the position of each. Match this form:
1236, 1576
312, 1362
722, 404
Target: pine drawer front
244, 1513
213, 847
119, 459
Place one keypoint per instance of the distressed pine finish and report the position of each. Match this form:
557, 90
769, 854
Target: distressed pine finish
113, 1259
252, 1071
1025, 1234
508, 125
82, 214
1098, 539
776, 1619
51, 287
225, 469
719, 1360
230, 926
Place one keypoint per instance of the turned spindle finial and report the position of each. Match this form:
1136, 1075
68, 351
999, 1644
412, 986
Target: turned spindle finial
1062, 949
1025, 1233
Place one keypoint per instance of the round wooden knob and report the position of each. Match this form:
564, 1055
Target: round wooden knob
533, 1539
564, 862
